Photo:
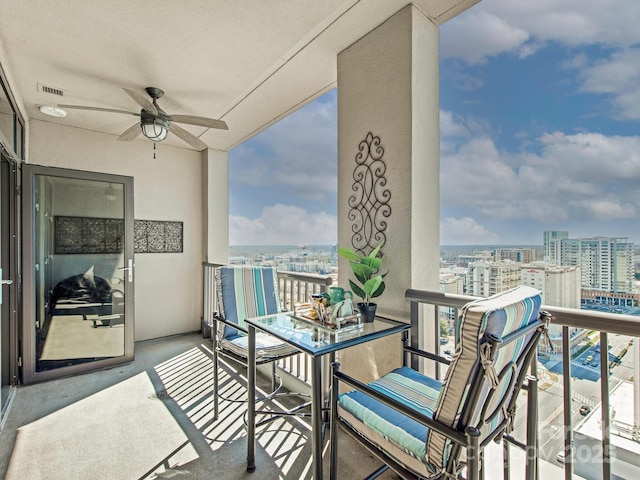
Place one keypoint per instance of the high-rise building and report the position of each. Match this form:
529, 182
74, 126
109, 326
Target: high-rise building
522, 255
488, 278
551, 244
451, 283
560, 287
606, 263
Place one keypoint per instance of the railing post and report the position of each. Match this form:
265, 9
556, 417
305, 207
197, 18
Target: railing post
568, 421
532, 428
604, 408
415, 333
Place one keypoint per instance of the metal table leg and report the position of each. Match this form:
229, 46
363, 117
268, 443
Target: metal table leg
316, 416
251, 403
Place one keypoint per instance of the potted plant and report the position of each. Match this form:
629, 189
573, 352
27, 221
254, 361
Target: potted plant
370, 282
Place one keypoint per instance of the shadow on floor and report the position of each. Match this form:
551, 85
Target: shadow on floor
153, 418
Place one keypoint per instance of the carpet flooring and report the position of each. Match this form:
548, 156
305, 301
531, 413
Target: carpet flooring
70, 337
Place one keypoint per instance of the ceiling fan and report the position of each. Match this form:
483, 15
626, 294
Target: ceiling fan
155, 123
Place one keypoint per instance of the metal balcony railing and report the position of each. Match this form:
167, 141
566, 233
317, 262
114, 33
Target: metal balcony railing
613, 338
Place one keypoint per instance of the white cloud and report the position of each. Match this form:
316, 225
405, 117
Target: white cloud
294, 153
619, 76
581, 177
451, 127
465, 231
497, 26
283, 225
479, 34
493, 27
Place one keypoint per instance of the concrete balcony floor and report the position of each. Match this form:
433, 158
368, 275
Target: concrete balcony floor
153, 418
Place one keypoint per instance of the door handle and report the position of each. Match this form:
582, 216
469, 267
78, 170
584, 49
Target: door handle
129, 270
3, 282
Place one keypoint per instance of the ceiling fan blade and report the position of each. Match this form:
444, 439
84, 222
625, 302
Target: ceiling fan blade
142, 100
98, 109
130, 133
201, 121
192, 140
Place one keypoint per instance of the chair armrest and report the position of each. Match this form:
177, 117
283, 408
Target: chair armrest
425, 354
429, 422
218, 318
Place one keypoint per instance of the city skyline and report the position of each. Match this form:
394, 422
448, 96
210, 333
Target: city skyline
540, 100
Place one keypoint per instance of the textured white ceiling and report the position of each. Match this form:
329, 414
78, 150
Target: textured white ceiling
247, 62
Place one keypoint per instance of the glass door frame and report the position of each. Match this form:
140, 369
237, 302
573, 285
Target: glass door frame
10, 266
29, 173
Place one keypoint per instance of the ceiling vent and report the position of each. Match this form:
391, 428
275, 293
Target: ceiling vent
51, 90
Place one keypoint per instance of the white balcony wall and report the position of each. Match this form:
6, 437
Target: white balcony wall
168, 295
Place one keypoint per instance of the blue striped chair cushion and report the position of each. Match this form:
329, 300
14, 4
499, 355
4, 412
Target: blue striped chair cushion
245, 292
393, 432
497, 315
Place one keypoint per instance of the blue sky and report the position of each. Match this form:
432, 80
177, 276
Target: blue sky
540, 130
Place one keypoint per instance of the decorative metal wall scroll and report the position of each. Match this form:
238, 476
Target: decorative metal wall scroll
370, 200
84, 235
157, 237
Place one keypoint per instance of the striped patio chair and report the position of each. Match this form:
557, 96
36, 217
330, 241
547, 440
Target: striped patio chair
244, 292
424, 428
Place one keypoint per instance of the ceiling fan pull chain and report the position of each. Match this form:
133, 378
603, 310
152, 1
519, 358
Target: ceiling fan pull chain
154, 150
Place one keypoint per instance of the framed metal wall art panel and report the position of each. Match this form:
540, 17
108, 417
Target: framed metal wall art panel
89, 235
152, 236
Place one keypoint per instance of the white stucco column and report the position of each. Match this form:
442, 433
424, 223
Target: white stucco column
216, 205
388, 87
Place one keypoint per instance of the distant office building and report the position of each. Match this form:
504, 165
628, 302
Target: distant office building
238, 261
551, 245
488, 278
451, 283
466, 260
560, 287
606, 263
522, 255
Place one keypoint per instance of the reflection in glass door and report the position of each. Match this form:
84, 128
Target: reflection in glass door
79, 291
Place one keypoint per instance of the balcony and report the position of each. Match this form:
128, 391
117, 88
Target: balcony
153, 418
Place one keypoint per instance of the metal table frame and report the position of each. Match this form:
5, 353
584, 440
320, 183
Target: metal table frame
317, 342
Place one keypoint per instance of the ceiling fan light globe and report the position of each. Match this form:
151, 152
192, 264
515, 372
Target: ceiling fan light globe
154, 130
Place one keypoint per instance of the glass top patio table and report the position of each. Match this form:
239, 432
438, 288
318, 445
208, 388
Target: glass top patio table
312, 338
315, 340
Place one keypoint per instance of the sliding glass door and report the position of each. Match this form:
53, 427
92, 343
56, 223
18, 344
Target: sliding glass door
78, 271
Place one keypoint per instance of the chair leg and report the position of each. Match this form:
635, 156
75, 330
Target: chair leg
506, 460
215, 381
273, 377
473, 453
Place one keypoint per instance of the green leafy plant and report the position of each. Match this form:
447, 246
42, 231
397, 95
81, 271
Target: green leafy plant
365, 269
